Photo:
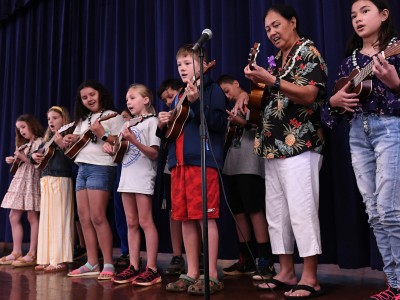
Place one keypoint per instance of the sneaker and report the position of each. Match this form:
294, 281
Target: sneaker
388, 294
244, 266
147, 278
123, 260
127, 275
176, 266
79, 252
265, 269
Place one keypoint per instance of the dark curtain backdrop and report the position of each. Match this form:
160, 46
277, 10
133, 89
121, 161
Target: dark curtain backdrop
48, 47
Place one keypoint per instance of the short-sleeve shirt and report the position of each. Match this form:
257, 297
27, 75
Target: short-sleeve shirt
138, 171
93, 153
289, 129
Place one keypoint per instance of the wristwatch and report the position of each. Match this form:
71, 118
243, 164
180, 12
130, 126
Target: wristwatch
105, 136
277, 84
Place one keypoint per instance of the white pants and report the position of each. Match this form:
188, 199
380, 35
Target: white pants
292, 201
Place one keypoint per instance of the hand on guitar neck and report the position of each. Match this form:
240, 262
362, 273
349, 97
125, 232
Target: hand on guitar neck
18, 158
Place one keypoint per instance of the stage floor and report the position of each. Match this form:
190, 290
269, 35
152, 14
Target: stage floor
25, 283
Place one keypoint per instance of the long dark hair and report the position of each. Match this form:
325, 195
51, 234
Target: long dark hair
105, 98
34, 127
386, 31
286, 11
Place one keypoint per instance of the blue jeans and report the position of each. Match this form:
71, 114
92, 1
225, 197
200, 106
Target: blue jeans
375, 154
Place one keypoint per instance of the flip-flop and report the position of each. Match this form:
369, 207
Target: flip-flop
301, 287
279, 285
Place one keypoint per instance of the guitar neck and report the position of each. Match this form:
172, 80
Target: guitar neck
48, 143
366, 71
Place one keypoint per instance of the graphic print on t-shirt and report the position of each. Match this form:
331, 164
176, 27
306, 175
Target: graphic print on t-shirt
133, 153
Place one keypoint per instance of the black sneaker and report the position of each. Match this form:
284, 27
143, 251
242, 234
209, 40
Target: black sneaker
123, 260
265, 269
79, 252
176, 266
127, 275
241, 267
147, 278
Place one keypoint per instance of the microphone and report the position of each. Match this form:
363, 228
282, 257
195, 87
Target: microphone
205, 36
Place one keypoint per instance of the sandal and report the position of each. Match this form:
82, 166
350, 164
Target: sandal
85, 270
108, 272
54, 269
12, 257
26, 261
181, 285
41, 267
199, 287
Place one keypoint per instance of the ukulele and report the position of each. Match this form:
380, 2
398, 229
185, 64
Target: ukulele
84, 139
257, 90
48, 150
17, 162
181, 111
121, 145
356, 78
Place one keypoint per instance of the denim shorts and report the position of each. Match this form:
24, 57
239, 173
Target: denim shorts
94, 177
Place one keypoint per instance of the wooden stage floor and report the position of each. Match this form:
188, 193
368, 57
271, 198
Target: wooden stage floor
25, 284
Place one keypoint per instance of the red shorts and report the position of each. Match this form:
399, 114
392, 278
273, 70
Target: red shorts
186, 193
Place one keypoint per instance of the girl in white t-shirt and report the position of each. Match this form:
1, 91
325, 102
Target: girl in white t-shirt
96, 173
137, 185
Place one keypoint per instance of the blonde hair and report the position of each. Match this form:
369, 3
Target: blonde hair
65, 119
144, 91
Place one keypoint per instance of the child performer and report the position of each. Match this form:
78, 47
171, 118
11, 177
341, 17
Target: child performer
56, 222
23, 194
245, 179
374, 129
184, 161
137, 185
96, 174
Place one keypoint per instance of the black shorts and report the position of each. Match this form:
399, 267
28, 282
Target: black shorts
246, 193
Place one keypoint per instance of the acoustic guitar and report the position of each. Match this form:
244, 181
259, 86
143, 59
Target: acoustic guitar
356, 78
84, 139
181, 111
121, 145
257, 90
17, 162
48, 150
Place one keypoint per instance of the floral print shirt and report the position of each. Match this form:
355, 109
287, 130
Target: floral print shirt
381, 100
288, 129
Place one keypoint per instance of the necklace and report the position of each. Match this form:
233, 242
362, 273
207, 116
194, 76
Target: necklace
354, 54
93, 138
292, 59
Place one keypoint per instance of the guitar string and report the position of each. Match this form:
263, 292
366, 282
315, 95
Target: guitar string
368, 68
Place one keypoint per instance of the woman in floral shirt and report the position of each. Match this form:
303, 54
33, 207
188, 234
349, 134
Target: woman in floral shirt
290, 138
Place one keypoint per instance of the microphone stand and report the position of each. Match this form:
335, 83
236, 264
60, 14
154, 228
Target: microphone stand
203, 140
